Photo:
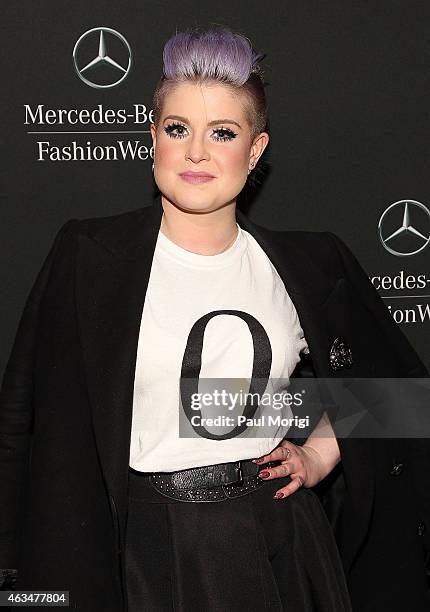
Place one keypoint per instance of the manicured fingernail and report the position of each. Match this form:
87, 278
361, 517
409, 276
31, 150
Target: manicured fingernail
264, 474
257, 460
278, 495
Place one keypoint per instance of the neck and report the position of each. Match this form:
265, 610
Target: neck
204, 233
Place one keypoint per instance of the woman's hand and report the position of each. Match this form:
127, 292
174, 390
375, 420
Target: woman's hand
307, 464
303, 463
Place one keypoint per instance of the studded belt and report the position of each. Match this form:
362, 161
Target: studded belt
210, 483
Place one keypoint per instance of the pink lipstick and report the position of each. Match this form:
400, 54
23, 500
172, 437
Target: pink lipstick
196, 177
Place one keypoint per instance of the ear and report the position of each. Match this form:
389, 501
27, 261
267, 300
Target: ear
257, 148
153, 129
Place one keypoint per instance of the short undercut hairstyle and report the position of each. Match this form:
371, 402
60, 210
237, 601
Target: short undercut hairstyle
215, 55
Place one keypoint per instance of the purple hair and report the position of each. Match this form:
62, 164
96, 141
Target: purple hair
217, 54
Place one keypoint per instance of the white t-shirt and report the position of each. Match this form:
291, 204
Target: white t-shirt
184, 287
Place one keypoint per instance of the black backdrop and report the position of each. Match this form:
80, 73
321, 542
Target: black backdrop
348, 94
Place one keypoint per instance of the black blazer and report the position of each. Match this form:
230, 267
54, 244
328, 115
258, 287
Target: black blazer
66, 411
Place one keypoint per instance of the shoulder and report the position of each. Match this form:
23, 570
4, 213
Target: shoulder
318, 249
302, 239
329, 248
323, 242
91, 226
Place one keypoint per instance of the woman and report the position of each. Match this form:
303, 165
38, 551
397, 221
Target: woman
116, 506
208, 135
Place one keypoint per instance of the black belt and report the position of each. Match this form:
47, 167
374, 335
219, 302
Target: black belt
210, 483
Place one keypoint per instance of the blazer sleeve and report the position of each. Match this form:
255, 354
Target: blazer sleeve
16, 411
411, 367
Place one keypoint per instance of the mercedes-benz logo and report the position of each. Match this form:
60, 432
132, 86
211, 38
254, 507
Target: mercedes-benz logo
98, 68
392, 225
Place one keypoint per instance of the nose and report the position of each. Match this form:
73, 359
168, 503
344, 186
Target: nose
196, 150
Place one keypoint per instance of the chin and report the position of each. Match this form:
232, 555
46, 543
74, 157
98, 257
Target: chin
192, 202
196, 205
196, 199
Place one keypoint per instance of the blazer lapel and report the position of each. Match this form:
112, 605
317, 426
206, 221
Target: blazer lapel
113, 269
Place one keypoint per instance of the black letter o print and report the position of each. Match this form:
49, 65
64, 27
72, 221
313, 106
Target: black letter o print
192, 363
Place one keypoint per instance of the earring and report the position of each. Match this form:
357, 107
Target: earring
251, 168
153, 167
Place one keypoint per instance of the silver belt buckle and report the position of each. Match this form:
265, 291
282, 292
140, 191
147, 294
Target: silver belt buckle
239, 471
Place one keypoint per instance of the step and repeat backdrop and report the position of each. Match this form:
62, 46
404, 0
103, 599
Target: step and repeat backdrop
348, 92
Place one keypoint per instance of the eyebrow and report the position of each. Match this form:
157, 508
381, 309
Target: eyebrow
215, 122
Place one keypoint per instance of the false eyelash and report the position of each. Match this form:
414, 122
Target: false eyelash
228, 133
173, 126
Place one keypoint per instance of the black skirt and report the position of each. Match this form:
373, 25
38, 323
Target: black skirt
250, 553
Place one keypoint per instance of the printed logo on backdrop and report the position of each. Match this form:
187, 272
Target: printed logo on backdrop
404, 231
101, 58
404, 228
